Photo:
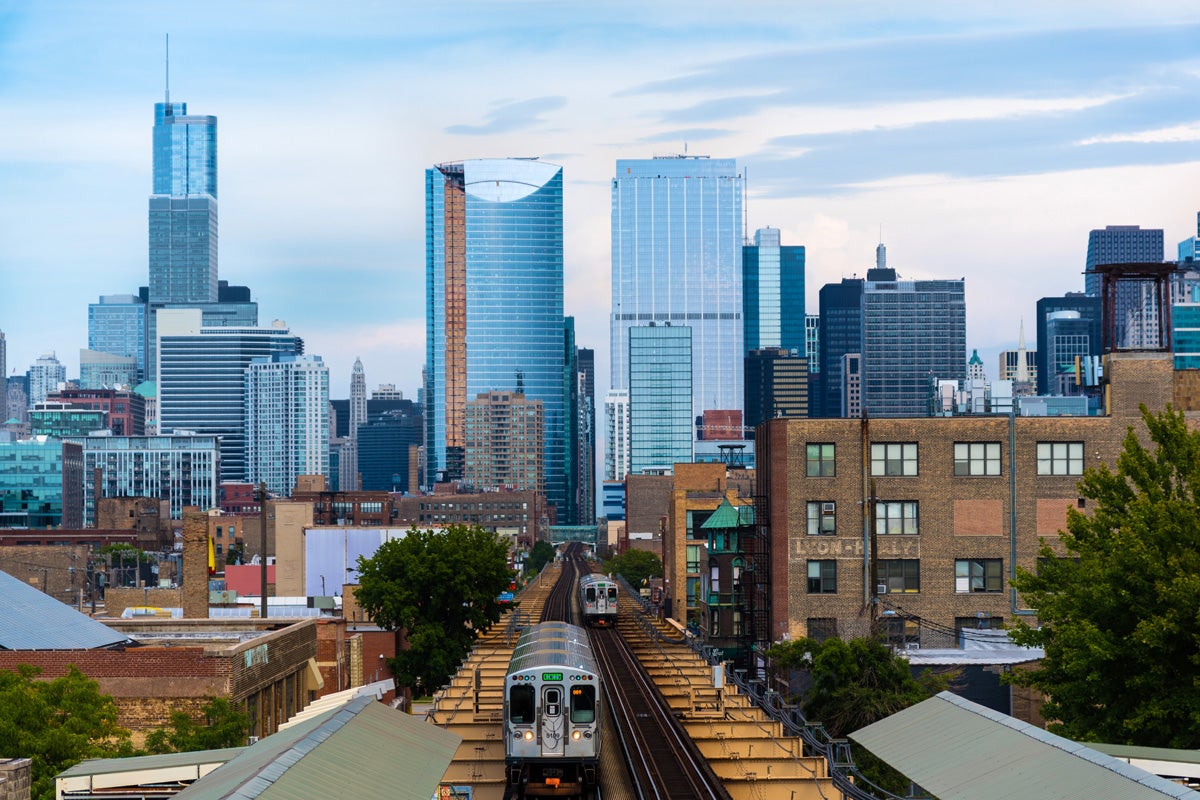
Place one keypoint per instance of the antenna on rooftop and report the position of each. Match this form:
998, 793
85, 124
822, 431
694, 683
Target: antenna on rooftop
168, 65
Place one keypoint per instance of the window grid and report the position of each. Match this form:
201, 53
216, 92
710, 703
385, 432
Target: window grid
822, 577
978, 575
900, 575
896, 517
1060, 458
821, 460
822, 518
894, 459
976, 458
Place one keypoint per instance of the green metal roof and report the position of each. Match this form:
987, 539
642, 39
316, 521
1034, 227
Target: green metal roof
958, 750
108, 766
362, 750
1124, 751
728, 515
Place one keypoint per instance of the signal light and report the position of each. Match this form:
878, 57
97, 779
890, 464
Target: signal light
529, 736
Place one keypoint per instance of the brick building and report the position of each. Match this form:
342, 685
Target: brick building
523, 513
125, 410
348, 508
914, 526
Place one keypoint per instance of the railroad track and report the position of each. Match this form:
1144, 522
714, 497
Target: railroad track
663, 762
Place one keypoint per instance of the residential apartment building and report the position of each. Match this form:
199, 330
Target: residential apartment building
287, 419
182, 470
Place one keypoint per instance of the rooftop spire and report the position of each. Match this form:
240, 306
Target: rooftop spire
167, 98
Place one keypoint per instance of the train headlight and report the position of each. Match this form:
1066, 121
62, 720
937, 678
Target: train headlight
575, 735
529, 736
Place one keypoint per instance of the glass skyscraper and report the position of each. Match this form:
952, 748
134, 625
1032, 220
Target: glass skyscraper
773, 294
202, 379
494, 302
183, 207
677, 258
287, 420
117, 325
660, 397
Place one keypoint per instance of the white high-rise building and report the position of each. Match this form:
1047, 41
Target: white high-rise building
287, 420
616, 435
44, 377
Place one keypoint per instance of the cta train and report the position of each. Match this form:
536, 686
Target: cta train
552, 713
598, 599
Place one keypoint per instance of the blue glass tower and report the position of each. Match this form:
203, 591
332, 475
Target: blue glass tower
660, 407
677, 258
773, 293
183, 207
493, 302
117, 325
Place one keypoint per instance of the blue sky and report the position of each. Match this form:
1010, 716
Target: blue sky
985, 139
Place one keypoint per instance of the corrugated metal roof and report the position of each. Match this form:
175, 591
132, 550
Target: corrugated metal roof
33, 620
1124, 751
362, 750
106, 766
957, 749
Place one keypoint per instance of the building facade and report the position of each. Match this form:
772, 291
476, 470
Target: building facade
776, 385
125, 410
841, 332
287, 420
1135, 313
918, 535
773, 294
504, 441
44, 376
660, 397
494, 300
388, 450
616, 435
202, 379
60, 420
912, 331
677, 259
41, 484
117, 326
182, 470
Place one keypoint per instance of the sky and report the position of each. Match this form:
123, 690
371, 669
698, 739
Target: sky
980, 140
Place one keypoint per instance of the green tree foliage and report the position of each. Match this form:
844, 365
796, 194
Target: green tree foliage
854, 683
57, 723
225, 725
636, 566
541, 554
440, 589
1118, 613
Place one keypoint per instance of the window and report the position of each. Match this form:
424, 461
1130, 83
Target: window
976, 458
822, 628
822, 577
1060, 458
820, 461
520, 705
822, 518
978, 575
714, 624
902, 631
899, 574
979, 622
693, 558
583, 704
893, 517
894, 458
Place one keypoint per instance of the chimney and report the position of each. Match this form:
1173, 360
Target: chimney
195, 564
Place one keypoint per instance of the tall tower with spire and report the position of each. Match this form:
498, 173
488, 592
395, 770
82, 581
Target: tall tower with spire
348, 475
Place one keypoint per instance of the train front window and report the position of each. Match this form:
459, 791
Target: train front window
590, 594
612, 593
583, 704
520, 705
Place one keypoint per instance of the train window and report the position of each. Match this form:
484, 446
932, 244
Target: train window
612, 593
583, 704
551, 704
590, 594
520, 705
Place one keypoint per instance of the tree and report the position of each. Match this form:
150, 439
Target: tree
441, 590
541, 554
1118, 612
57, 723
856, 683
636, 566
225, 725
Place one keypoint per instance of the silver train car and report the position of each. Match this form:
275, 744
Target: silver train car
552, 713
598, 599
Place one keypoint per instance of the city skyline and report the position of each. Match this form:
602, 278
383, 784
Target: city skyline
987, 142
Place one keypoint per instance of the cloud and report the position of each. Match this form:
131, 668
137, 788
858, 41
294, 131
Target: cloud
687, 134
1187, 132
512, 116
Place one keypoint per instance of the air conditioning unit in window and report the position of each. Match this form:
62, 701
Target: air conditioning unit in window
881, 589
828, 508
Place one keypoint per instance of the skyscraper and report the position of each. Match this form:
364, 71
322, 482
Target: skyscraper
388, 445
44, 375
660, 397
505, 437
183, 207
585, 435
202, 379
773, 294
1134, 309
677, 259
840, 334
3, 361
494, 300
348, 470
913, 331
287, 420
616, 435
1063, 339
776, 385
117, 325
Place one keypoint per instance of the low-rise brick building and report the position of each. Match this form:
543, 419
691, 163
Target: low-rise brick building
915, 526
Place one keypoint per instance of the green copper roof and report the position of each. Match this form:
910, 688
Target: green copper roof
728, 515
975, 359
147, 389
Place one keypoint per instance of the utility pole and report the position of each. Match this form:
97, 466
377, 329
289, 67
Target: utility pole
262, 511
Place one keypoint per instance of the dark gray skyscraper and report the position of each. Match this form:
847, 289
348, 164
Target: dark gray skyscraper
1134, 312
